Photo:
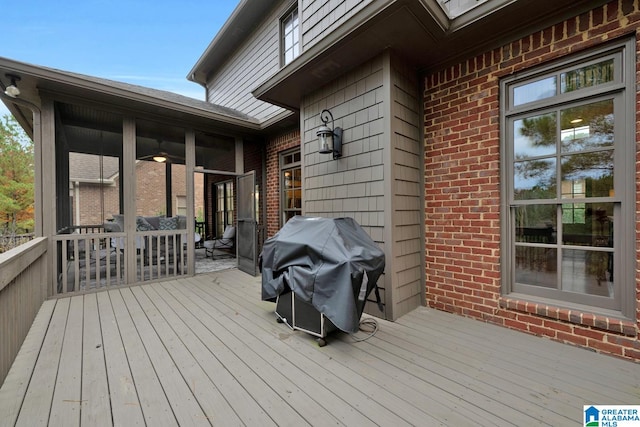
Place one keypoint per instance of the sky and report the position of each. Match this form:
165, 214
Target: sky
152, 43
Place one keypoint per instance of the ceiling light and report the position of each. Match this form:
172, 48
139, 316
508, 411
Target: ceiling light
160, 159
576, 121
12, 90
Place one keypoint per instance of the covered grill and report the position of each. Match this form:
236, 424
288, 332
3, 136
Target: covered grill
320, 272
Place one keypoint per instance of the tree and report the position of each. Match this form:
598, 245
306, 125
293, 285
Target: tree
16, 179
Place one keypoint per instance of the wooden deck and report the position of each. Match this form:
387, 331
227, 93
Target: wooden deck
207, 351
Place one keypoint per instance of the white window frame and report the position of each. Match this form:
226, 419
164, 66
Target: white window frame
290, 43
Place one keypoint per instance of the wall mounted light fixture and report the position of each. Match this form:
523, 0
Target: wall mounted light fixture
330, 140
12, 90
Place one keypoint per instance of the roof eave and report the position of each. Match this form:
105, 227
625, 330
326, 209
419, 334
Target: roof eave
58, 82
397, 25
243, 20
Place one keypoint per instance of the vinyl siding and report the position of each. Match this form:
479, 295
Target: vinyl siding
256, 60
320, 17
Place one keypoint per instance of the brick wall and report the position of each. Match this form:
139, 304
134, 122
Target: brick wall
275, 146
462, 188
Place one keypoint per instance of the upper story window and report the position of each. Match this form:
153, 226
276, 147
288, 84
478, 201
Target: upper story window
569, 230
290, 33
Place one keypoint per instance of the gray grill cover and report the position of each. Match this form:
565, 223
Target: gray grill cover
323, 261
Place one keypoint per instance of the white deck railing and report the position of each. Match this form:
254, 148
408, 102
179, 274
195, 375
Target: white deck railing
23, 288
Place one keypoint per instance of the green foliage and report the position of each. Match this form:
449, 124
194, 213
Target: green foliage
16, 178
541, 130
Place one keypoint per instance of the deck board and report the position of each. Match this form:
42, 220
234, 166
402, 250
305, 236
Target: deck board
155, 406
123, 396
36, 406
241, 360
96, 407
276, 370
183, 404
374, 402
356, 361
67, 396
15, 386
311, 391
535, 356
214, 405
207, 351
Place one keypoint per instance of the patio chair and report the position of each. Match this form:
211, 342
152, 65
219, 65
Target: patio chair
227, 241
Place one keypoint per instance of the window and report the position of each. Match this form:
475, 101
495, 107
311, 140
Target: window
291, 185
569, 223
181, 205
224, 206
290, 36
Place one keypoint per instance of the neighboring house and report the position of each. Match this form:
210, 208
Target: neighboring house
94, 185
489, 147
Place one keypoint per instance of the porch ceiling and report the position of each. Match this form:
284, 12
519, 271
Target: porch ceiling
419, 32
87, 93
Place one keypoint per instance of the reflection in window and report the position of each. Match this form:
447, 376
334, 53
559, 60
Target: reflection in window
587, 127
224, 206
534, 136
573, 213
290, 37
587, 272
534, 91
291, 185
535, 224
536, 266
535, 179
588, 76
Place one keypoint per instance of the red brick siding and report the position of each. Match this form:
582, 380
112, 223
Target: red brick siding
462, 185
275, 146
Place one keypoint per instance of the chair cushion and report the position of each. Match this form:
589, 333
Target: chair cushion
154, 221
143, 225
229, 232
111, 227
119, 219
182, 222
169, 223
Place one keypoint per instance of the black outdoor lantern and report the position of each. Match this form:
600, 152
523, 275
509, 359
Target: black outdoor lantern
330, 140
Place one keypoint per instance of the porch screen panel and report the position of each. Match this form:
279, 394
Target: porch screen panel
161, 190
88, 166
215, 152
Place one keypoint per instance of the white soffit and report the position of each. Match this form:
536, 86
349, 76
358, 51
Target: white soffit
456, 8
